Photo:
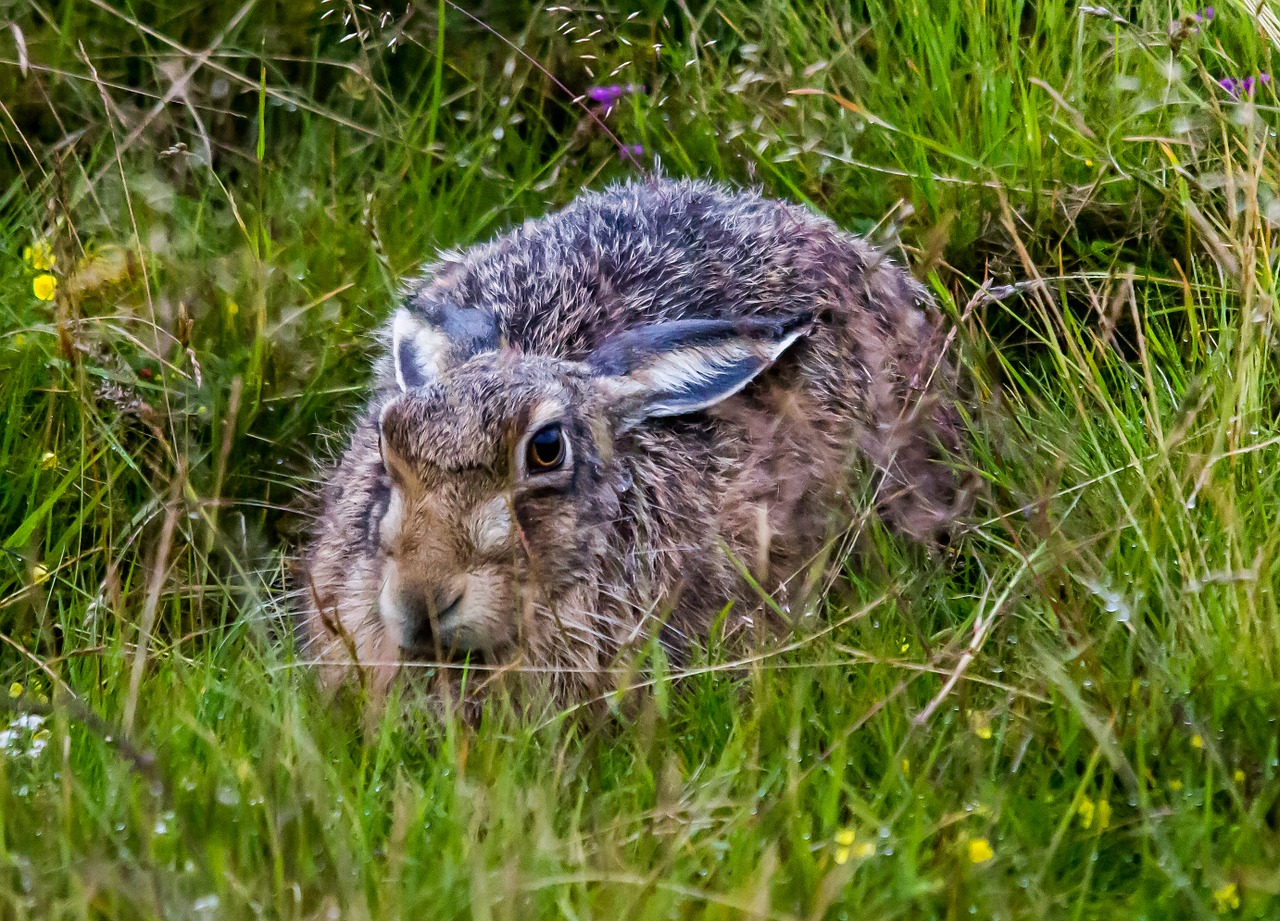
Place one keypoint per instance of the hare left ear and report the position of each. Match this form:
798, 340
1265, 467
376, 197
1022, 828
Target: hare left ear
669, 369
426, 344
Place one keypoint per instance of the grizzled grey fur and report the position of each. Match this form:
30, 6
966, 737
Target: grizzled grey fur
711, 365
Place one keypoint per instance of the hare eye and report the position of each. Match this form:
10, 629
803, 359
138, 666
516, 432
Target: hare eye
546, 449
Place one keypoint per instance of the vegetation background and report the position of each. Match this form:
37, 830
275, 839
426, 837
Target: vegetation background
204, 211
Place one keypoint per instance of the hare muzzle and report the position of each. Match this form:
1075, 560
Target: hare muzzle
439, 622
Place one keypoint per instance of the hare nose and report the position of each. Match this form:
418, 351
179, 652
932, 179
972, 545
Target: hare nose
424, 612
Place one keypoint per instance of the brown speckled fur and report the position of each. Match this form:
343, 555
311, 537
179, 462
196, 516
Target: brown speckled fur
650, 534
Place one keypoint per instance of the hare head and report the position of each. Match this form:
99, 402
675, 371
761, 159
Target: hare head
503, 471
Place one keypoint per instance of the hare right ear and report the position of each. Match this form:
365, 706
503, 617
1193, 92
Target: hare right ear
426, 343
683, 366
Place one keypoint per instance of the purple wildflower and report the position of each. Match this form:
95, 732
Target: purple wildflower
1244, 86
608, 95
605, 95
1204, 15
631, 151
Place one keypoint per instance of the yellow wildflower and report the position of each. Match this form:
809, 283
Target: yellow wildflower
1175, 785
44, 287
980, 850
906, 766
39, 574
1238, 776
39, 256
981, 724
1086, 811
1104, 814
844, 841
15, 689
1226, 899
1197, 741
48, 460
845, 847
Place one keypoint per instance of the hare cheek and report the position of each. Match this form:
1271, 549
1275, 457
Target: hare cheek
389, 527
492, 530
388, 608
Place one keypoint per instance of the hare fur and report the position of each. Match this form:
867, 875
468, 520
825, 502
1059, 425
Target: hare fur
624, 421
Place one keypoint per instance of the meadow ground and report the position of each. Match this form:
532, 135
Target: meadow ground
205, 209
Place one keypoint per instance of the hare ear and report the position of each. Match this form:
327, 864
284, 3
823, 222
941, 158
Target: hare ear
417, 348
425, 344
668, 369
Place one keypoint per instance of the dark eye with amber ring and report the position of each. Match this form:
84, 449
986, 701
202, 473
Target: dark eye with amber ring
546, 449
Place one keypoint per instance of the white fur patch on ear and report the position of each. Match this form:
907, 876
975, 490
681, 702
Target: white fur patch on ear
689, 379
697, 365
418, 349
683, 366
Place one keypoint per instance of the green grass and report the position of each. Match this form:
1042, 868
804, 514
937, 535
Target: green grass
1086, 689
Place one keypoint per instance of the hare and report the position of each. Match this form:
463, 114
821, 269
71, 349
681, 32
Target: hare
621, 422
